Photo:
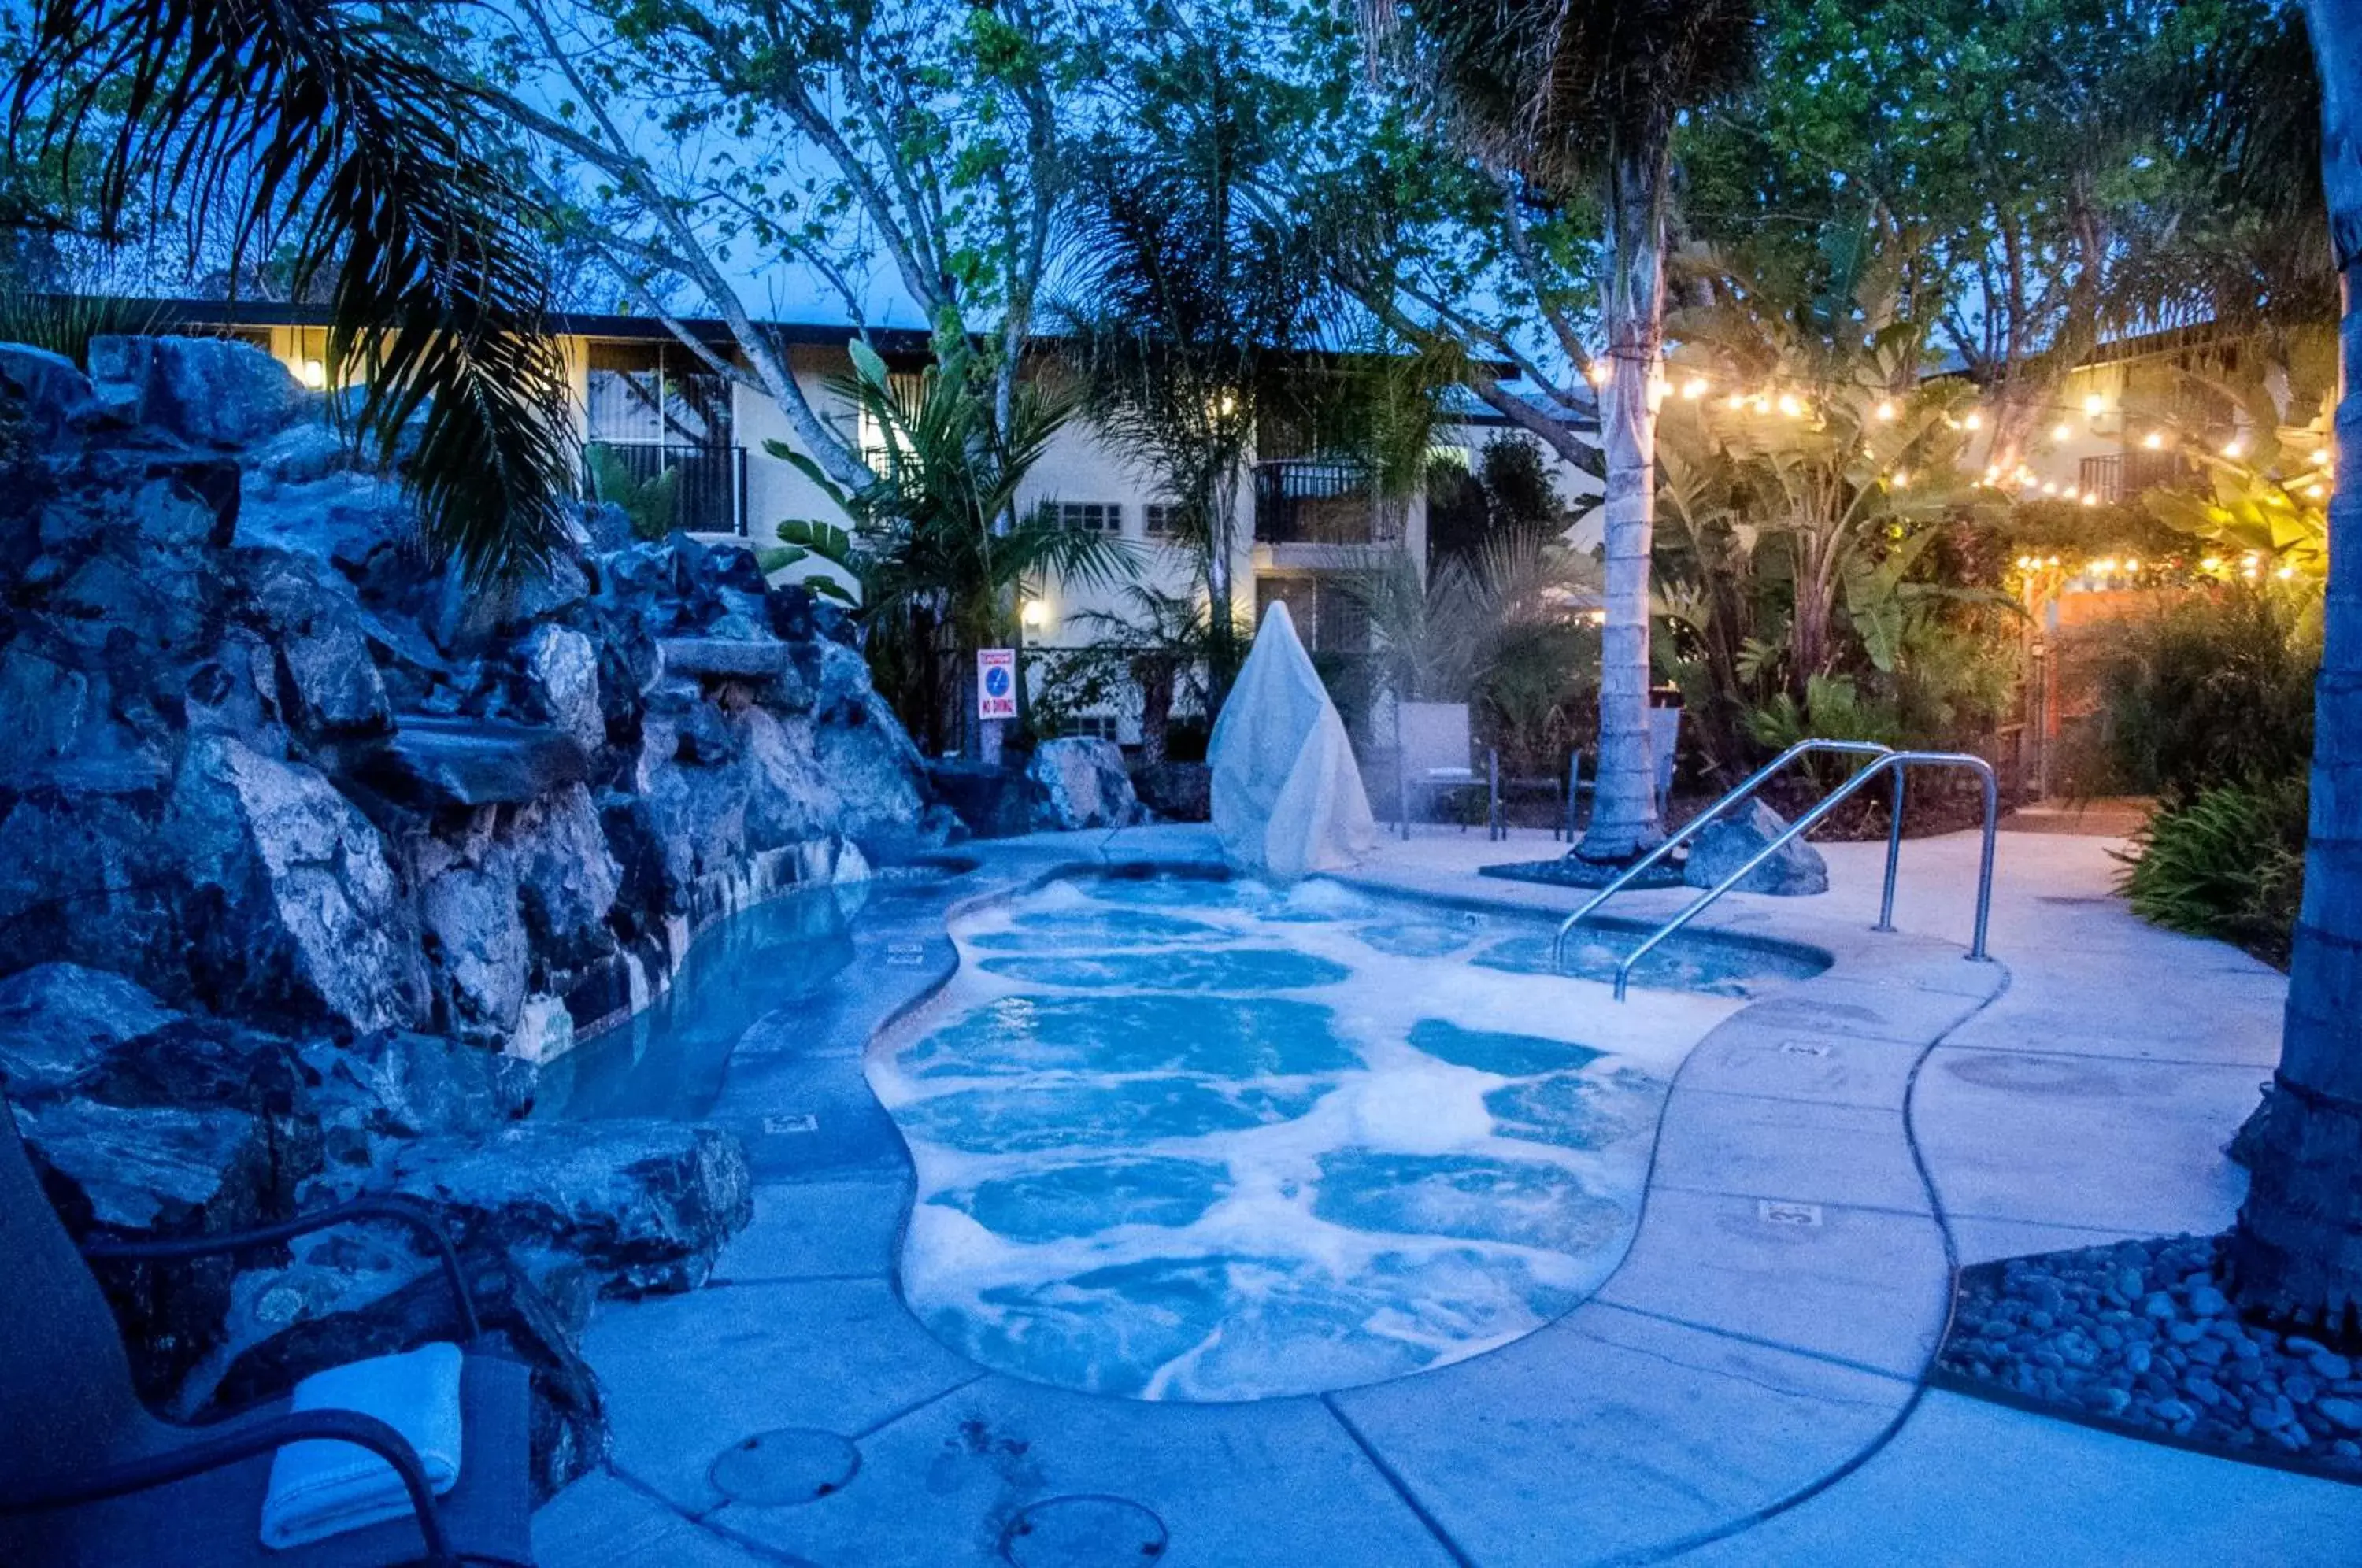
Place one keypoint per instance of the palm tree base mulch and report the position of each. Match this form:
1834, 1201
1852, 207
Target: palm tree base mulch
2141, 1337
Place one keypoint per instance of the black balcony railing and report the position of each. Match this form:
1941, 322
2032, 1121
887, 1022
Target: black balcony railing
2121, 476
706, 495
1318, 502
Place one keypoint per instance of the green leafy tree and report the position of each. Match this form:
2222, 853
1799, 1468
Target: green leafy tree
336, 133
705, 149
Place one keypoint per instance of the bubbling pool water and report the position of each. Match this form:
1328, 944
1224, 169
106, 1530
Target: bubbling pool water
1191, 1139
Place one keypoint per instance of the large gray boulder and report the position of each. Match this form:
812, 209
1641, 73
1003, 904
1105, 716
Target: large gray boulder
313, 622
477, 955
59, 1023
301, 915
145, 1171
206, 391
568, 880
646, 1206
563, 668
1081, 782
1724, 846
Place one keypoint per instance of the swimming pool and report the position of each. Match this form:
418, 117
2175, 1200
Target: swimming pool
1198, 1139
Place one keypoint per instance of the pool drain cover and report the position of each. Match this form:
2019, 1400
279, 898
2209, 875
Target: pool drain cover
1083, 1532
788, 1465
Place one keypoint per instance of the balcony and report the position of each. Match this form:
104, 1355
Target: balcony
1313, 500
2121, 476
664, 486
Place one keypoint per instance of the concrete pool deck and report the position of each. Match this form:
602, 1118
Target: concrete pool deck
1744, 1389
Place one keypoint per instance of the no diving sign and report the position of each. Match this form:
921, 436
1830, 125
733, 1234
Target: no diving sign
996, 683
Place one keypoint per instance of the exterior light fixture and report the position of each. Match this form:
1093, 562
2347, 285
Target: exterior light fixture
311, 373
1034, 613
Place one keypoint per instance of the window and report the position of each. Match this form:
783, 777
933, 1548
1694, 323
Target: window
656, 394
1087, 517
1090, 726
1160, 520
905, 388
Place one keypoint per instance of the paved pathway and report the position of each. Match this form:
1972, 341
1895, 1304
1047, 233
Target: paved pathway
1744, 1389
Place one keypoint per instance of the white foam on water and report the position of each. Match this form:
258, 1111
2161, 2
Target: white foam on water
1374, 1222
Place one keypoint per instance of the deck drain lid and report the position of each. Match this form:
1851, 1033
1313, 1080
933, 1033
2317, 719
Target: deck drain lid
1083, 1532
785, 1466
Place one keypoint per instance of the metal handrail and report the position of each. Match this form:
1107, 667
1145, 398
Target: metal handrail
1897, 761
1689, 830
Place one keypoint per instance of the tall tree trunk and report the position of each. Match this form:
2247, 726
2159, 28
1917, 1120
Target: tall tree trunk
2297, 1252
1624, 812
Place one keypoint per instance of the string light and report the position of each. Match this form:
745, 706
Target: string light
2315, 492
2092, 498
2154, 440
1902, 480
1596, 372
1693, 389
1973, 420
2050, 487
1789, 405
2095, 405
1884, 412
2211, 563
2062, 432
2234, 448
2321, 460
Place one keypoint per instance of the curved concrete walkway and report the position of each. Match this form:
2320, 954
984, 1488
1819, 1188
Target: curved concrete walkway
1745, 1389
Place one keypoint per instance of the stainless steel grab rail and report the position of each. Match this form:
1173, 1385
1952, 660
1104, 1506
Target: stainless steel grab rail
1689, 829
1897, 761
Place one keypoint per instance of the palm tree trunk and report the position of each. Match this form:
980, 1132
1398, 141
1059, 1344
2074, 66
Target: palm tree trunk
2297, 1252
1624, 814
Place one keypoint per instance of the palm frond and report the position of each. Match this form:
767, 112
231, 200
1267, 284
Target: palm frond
338, 127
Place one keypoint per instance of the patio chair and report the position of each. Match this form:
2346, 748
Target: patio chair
1434, 753
90, 1479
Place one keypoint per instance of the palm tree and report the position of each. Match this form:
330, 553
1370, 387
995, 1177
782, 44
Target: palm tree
1579, 97
1187, 292
334, 129
2297, 1252
938, 551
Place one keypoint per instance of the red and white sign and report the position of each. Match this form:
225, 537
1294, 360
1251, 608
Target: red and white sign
996, 683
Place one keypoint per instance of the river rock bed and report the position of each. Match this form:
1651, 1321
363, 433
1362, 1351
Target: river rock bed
2142, 1336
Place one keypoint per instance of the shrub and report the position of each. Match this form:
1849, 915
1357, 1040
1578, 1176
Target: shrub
2216, 689
2227, 862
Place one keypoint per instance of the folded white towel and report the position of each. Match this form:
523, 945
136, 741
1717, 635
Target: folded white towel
319, 1490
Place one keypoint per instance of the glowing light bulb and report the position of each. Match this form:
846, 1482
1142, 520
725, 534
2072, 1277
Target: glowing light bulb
1884, 412
311, 373
2071, 493
1973, 420
2322, 458
1789, 405
2315, 492
2050, 487
2285, 573
1596, 372
1034, 613
1693, 389
2091, 497
2132, 563
2062, 432
2234, 448
1902, 480
1736, 400
2154, 440
2095, 405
